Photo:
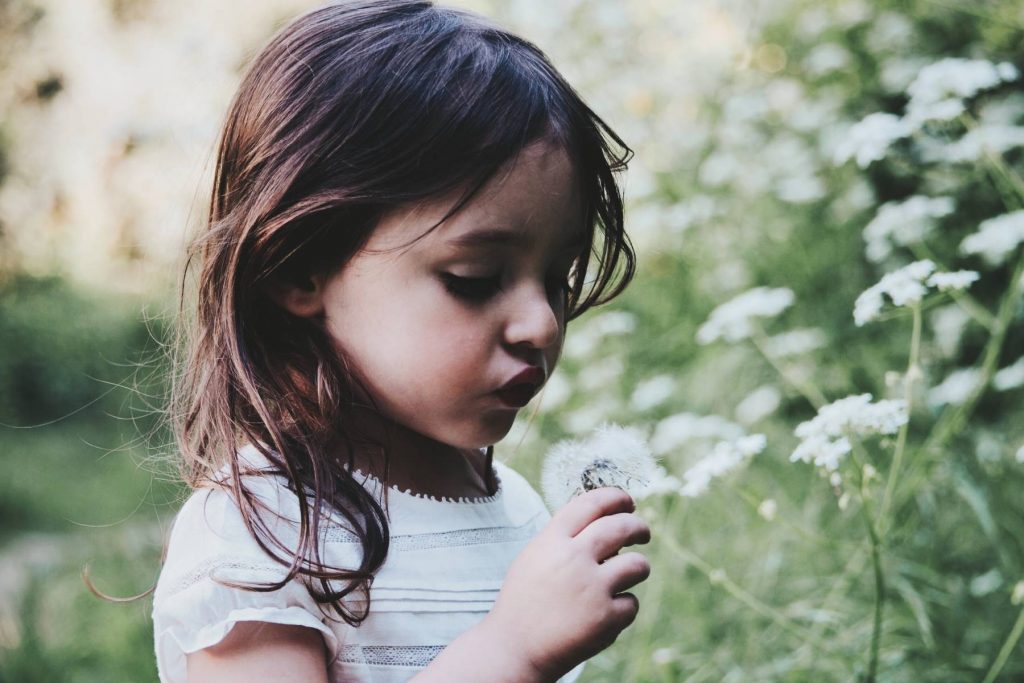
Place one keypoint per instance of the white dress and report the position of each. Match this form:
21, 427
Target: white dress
445, 566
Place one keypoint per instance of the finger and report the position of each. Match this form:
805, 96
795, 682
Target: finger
625, 606
586, 507
625, 571
607, 535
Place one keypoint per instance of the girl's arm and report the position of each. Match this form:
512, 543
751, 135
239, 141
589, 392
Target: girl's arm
261, 651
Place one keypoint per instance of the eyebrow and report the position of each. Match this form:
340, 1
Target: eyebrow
501, 236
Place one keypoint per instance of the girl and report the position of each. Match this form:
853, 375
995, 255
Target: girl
405, 202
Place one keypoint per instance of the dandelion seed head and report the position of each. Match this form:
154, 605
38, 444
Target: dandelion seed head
610, 456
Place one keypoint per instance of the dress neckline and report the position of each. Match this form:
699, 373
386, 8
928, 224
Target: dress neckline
447, 500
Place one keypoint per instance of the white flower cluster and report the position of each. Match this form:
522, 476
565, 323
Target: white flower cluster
725, 457
903, 223
940, 88
676, 430
937, 94
996, 237
955, 389
795, 342
1010, 377
908, 285
611, 456
869, 139
824, 439
732, 321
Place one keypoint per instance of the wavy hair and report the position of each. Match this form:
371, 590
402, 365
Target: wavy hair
350, 111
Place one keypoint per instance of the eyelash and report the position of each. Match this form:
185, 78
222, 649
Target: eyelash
480, 289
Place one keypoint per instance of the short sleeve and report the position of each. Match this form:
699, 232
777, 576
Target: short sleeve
192, 611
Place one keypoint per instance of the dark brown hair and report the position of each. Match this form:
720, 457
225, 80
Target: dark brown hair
350, 111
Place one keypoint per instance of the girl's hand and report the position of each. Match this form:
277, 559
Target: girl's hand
562, 600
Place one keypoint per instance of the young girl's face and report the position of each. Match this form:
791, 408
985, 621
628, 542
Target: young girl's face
435, 329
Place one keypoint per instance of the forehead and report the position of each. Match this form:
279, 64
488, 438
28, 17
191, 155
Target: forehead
532, 202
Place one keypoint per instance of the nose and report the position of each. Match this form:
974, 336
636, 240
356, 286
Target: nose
534, 319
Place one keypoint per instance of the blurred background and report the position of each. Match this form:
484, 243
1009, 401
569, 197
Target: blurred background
748, 172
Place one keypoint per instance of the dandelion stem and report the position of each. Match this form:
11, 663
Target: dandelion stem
901, 438
1006, 649
742, 595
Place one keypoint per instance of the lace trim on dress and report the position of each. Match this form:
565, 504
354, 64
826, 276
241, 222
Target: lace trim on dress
417, 656
444, 539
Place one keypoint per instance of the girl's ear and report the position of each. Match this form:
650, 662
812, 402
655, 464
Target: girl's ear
301, 295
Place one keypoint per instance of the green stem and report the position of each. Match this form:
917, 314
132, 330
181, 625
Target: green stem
1006, 649
809, 391
876, 563
968, 303
740, 594
901, 440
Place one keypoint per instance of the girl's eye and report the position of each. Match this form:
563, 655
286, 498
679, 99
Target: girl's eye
472, 288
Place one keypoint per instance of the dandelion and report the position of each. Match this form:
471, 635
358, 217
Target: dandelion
903, 286
956, 388
611, 456
725, 457
823, 439
733, 320
869, 139
961, 279
903, 223
1010, 377
996, 238
676, 430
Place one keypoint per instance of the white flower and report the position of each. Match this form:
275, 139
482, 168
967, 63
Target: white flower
904, 223
653, 392
600, 375
759, 404
825, 58
611, 456
732, 321
868, 140
1019, 457
768, 509
676, 430
795, 342
823, 438
950, 80
956, 388
960, 279
663, 656
725, 457
661, 482
992, 138
996, 237
1010, 377
903, 286
1017, 596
